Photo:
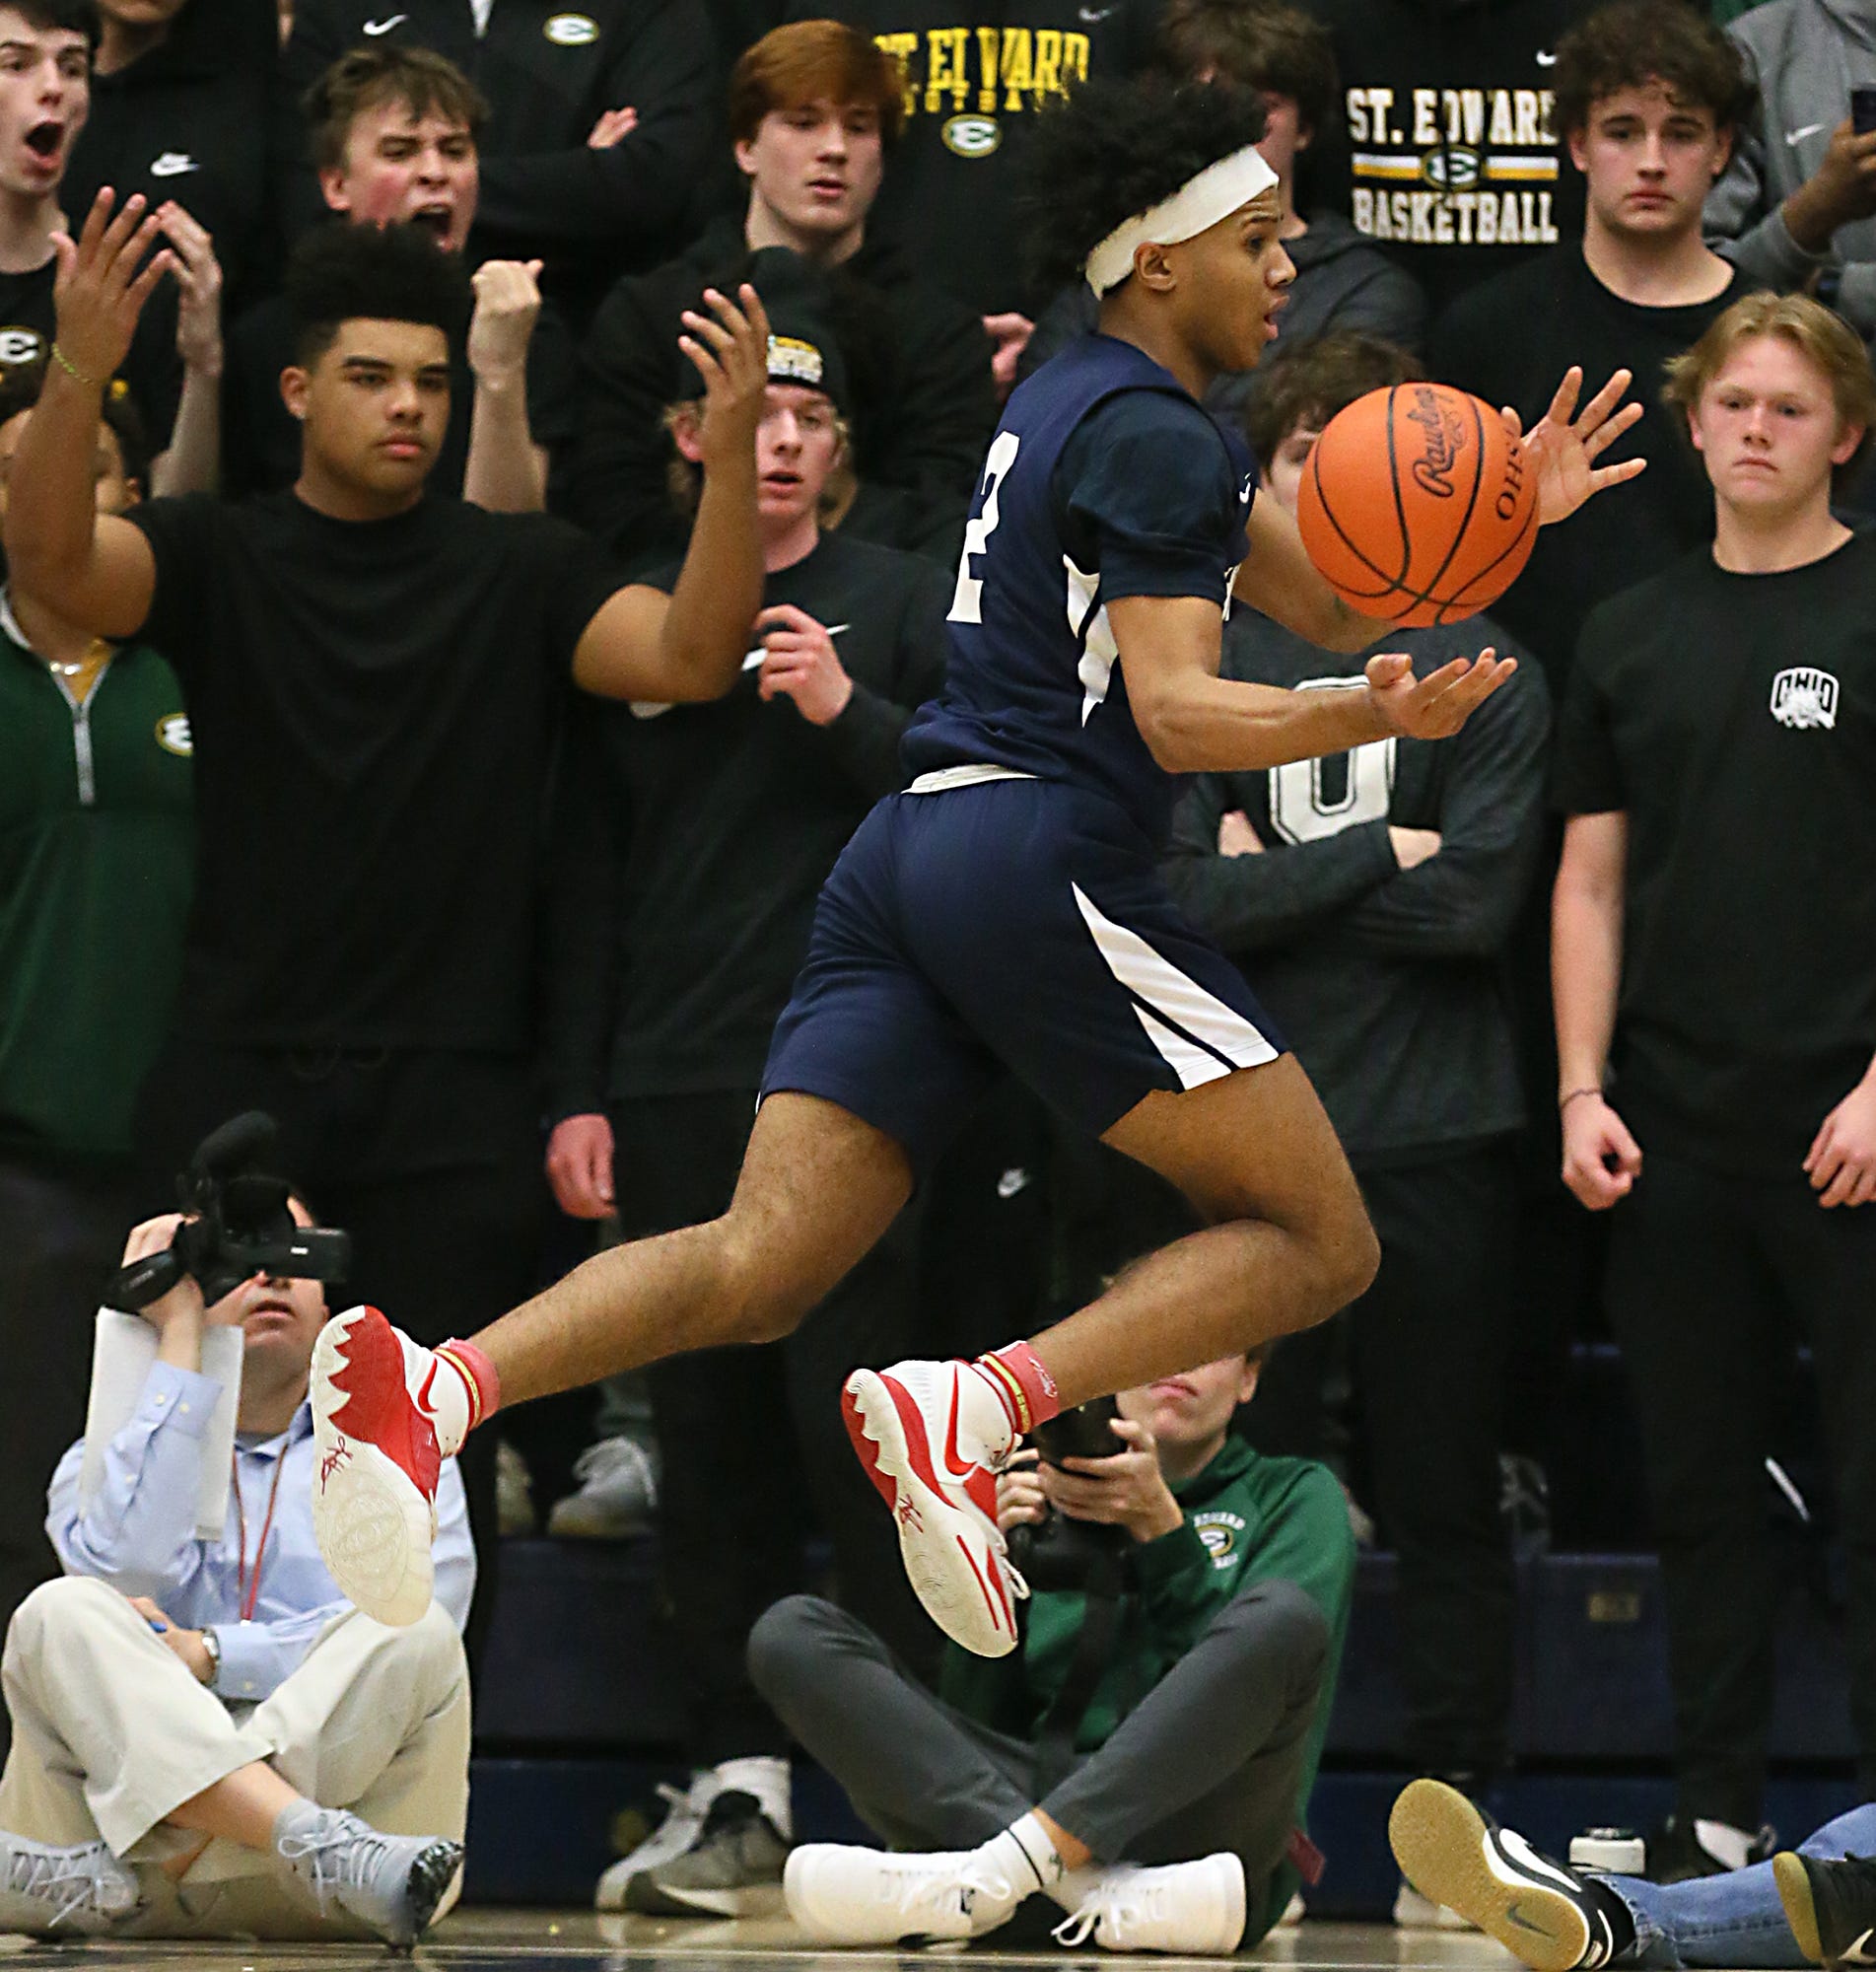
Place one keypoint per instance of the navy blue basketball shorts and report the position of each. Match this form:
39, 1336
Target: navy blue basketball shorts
1019, 923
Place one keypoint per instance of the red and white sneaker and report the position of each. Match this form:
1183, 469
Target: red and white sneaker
932, 1437
375, 1492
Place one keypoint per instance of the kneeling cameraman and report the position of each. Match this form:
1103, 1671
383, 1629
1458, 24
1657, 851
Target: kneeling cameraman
208, 1741
1170, 1706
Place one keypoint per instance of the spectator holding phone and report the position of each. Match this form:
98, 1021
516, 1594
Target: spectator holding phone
1797, 205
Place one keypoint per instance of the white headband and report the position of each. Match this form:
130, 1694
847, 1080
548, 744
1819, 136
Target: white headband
1201, 202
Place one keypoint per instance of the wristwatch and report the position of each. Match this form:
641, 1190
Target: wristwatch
212, 1643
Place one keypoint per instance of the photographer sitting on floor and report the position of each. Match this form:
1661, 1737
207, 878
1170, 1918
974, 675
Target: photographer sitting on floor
1169, 1700
208, 1741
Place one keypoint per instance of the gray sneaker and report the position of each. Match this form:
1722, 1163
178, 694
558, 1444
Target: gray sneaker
75, 1892
733, 1869
393, 1882
618, 1491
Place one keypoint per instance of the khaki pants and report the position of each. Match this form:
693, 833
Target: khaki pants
112, 1733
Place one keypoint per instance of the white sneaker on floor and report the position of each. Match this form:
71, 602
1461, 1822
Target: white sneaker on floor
618, 1493
1192, 1908
685, 1809
932, 1437
842, 1896
56, 1892
1414, 1912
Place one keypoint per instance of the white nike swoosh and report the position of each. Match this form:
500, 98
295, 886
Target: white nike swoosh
1799, 136
1092, 14
1856, 1953
172, 164
756, 655
385, 25
1546, 59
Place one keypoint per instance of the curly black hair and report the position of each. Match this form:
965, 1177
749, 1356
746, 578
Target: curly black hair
1113, 149
341, 272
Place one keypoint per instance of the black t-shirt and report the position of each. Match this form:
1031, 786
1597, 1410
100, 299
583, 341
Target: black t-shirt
1509, 341
694, 838
1733, 719
373, 706
1452, 158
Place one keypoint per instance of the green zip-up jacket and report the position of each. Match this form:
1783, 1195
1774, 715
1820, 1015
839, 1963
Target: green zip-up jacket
1248, 1518
97, 861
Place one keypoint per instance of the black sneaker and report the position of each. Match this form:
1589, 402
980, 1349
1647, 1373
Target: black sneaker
1452, 1852
1681, 1850
1830, 1906
733, 1869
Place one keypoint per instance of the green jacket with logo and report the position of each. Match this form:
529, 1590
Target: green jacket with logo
97, 859
1248, 1518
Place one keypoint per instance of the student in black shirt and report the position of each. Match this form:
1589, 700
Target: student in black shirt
972, 80
186, 105
394, 132
676, 953
813, 116
373, 675
567, 177
1647, 98
44, 102
1715, 986
1371, 898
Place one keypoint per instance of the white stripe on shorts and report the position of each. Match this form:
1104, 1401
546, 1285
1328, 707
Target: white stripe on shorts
1208, 1039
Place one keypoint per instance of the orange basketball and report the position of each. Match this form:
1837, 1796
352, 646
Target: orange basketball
1416, 506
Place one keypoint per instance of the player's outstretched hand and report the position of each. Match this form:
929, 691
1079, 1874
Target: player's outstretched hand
1436, 706
1565, 442
105, 276
731, 348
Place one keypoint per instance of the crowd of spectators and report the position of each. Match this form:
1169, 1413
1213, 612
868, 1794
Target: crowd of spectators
391, 827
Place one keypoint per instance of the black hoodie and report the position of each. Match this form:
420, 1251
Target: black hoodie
924, 405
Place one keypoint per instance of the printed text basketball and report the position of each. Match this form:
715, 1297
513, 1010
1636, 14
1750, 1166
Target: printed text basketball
1416, 506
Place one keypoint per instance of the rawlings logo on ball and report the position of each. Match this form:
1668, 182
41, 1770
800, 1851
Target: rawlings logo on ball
1440, 427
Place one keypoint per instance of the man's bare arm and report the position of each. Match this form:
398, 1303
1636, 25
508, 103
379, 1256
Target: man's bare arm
95, 570
506, 471
1194, 722
691, 644
1601, 1160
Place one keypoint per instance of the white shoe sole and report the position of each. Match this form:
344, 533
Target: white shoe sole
1445, 1851
949, 1561
375, 1527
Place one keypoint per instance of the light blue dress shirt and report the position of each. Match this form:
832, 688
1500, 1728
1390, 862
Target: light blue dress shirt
139, 1533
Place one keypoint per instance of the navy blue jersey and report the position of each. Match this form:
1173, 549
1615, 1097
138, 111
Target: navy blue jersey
1106, 479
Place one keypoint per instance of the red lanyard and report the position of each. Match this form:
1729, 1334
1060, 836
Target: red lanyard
251, 1595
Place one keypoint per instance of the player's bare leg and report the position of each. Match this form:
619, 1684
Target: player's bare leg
1289, 1244
817, 1190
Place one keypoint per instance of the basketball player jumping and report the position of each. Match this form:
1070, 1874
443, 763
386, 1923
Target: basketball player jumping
1004, 911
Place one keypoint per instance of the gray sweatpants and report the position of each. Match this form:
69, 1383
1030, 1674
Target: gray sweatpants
1209, 1759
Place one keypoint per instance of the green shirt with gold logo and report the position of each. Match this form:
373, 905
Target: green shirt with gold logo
97, 855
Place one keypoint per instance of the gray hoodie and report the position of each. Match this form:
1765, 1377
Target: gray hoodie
1805, 57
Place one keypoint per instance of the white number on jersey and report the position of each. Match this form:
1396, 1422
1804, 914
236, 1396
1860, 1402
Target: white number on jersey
1313, 798
968, 602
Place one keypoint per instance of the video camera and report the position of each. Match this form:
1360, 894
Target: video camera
1059, 1551
239, 1224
